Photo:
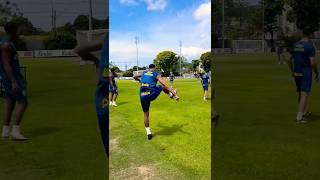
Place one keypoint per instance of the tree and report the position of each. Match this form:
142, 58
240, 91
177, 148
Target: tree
206, 59
7, 11
60, 40
272, 9
166, 61
195, 65
82, 23
25, 26
305, 14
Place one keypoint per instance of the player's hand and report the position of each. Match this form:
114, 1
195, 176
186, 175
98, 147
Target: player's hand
15, 87
317, 77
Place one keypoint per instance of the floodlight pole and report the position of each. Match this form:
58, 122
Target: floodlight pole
90, 21
180, 45
137, 41
222, 29
263, 34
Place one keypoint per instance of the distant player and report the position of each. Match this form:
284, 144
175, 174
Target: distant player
113, 89
16, 101
280, 52
149, 91
171, 78
205, 80
301, 64
102, 90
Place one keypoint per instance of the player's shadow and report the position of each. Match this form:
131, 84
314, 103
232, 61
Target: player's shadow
122, 103
43, 131
314, 117
170, 130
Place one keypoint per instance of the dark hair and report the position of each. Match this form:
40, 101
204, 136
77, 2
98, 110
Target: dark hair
307, 31
10, 27
151, 66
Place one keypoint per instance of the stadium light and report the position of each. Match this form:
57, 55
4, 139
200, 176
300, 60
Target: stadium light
137, 41
180, 45
90, 21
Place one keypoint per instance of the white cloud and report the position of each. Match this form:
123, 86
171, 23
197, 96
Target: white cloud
129, 2
193, 52
154, 5
203, 13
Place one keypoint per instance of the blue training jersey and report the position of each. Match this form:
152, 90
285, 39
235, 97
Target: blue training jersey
104, 62
15, 64
149, 79
301, 52
205, 79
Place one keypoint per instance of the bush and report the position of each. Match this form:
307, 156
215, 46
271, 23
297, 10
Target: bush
60, 40
128, 74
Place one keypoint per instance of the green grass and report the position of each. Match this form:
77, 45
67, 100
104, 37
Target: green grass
257, 138
181, 146
61, 124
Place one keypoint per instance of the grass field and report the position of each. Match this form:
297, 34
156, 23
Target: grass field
257, 138
61, 124
181, 146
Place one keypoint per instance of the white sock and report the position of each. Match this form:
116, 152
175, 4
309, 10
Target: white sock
148, 130
15, 129
5, 129
300, 116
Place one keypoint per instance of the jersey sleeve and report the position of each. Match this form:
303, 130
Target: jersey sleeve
312, 51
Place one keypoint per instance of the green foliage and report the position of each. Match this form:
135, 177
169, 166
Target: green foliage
167, 61
206, 59
7, 11
60, 40
195, 64
82, 23
272, 8
305, 14
128, 74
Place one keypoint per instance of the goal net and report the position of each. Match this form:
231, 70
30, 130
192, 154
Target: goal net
83, 37
248, 46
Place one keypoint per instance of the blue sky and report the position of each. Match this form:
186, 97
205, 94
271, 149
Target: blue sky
159, 24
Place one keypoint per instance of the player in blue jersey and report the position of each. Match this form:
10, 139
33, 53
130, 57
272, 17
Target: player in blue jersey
205, 80
113, 89
171, 78
102, 90
301, 64
149, 91
14, 84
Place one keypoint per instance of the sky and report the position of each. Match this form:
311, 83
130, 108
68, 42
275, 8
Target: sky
39, 11
159, 25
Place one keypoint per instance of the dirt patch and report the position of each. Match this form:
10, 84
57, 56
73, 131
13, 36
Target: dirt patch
114, 144
144, 172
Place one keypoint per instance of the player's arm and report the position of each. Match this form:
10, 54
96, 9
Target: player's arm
314, 65
137, 77
85, 51
163, 83
110, 80
290, 64
6, 58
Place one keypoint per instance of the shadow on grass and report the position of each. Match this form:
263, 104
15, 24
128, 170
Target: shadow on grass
43, 131
314, 117
170, 130
122, 103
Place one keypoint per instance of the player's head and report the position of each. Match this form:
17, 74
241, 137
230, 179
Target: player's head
307, 32
152, 66
11, 29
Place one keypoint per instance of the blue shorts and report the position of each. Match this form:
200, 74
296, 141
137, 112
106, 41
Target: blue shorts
205, 87
148, 95
113, 90
303, 83
19, 96
103, 112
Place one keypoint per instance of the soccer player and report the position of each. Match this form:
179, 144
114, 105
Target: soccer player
113, 89
280, 50
301, 64
85, 52
171, 78
14, 84
205, 84
149, 91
